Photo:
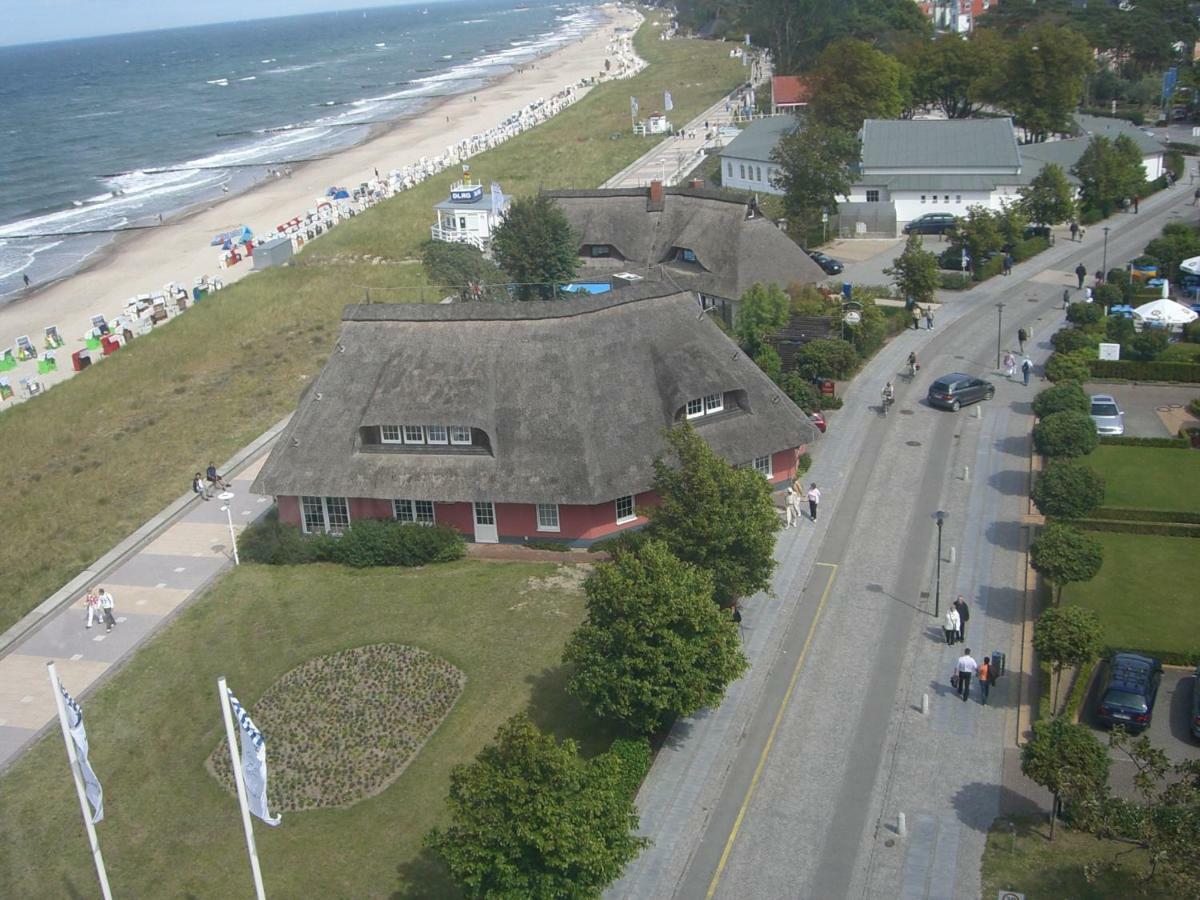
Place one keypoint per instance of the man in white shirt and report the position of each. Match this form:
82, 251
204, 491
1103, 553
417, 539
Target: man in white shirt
106, 609
966, 667
814, 497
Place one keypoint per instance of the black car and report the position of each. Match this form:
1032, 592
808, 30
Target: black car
828, 264
930, 223
1130, 689
1196, 704
956, 389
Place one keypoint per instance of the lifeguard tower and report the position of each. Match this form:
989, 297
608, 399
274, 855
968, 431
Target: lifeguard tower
470, 215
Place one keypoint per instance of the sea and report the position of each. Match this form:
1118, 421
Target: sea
105, 134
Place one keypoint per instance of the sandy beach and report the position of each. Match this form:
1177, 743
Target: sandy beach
180, 252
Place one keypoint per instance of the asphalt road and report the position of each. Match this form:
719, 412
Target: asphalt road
793, 788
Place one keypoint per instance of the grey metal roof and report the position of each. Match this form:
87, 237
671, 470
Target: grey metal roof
935, 144
1112, 128
758, 139
1064, 154
573, 395
936, 182
733, 252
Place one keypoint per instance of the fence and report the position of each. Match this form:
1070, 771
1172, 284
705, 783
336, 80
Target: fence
864, 220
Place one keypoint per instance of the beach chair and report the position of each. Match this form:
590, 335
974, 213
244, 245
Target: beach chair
100, 325
47, 363
25, 348
6, 390
8, 362
54, 340
32, 386
92, 340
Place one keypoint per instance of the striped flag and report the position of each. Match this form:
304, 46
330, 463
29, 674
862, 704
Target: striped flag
95, 793
254, 762
667, 104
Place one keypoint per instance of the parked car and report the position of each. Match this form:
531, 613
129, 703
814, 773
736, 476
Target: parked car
1129, 691
818, 421
1196, 704
953, 259
930, 223
828, 264
1107, 414
956, 390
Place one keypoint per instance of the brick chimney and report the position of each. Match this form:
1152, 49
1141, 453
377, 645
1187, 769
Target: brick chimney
696, 183
656, 192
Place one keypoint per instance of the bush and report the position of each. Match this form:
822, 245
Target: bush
273, 544
802, 392
1066, 367
1068, 490
1148, 345
1191, 332
625, 542
1136, 370
1125, 514
1118, 329
954, 281
826, 358
368, 542
1068, 340
1067, 395
1128, 440
1029, 248
803, 464
1065, 434
990, 269
1158, 529
633, 757
1194, 407
1081, 314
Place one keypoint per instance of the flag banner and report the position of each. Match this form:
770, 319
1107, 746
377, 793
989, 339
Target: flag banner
497, 198
667, 104
633, 106
747, 40
254, 762
95, 794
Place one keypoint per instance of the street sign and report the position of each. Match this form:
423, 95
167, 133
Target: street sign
1110, 351
852, 317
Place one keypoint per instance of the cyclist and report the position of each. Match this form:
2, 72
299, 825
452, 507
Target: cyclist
913, 365
888, 396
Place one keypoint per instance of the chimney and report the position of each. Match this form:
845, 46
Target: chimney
656, 194
697, 183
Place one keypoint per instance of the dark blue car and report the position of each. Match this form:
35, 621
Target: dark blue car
1130, 689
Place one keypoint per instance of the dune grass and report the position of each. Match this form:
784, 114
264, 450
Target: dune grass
101, 453
171, 831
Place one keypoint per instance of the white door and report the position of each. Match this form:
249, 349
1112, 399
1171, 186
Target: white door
485, 523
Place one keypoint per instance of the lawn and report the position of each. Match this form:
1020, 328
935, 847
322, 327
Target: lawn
101, 453
1145, 592
1148, 477
1052, 870
170, 830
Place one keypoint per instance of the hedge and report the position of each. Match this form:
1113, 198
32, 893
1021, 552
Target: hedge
1029, 248
365, 543
1128, 440
1183, 147
1161, 529
1135, 370
1166, 657
1119, 513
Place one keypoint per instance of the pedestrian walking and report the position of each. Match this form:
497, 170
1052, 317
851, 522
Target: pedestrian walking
790, 504
1066, 297
1010, 364
1136, 203
928, 318
106, 607
1074, 230
1026, 369
1080, 273
950, 625
1008, 263
916, 317
1022, 337
1196, 195
25, 277
814, 498
964, 613
985, 679
965, 667
91, 602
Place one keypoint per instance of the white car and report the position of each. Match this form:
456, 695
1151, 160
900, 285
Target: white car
1107, 415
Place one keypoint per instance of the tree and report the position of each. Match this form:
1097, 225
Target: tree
1071, 340
1066, 636
1068, 490
852, 81
979, 232
1042, 79
1011, 222
826, 358
1067, 760
536, 247
815, 170
1063, 396
1064, 555
654, 647
761, 311
952, 74
1177, 243
1108, 173
463, 267
1062, 367
1049, 199
530, 818
715, 516
1067, 433
1149, 344
1084, 314
915, 272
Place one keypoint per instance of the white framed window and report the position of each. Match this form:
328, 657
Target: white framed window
625, 511
435, 434
390, 434
416, 512
758, 173
872, 196
460, 434
331, 514
695, 408
762, 465
946, 198
547, 517
688, 255
958, 197
729, 169
742, 171
713, 403
922, 198
935, 198
414, 434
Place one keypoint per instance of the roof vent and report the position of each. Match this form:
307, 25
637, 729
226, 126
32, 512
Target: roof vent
341, 348
317, 396
295, 442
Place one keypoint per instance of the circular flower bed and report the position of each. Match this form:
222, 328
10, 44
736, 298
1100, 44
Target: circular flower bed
341, 728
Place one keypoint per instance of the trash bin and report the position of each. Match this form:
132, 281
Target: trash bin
847, 289
997, 663
80, 360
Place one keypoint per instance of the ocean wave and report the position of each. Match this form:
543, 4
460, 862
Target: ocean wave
284, 70
474, 21
220, 82
249, 78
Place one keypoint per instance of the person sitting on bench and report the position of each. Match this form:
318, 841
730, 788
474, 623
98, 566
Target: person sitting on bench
214, 479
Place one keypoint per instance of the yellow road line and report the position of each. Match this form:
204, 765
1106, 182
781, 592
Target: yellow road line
762, 759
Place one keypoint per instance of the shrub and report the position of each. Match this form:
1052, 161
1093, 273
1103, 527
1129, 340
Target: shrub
625, 542
1065, 434
1068, 490
827, 358
990, 269
1194, 407
368, 542
272, 543
1136, 370
1067, 395
1191, 332
1148, 345
1029, 248
954, 281
803, 464
1068, 340
633, 756
803, 393
1128, 440
1084, 313
555, 546
1118, 329
1066, 367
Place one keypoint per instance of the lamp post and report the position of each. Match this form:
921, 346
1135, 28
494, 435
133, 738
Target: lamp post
1104, 262
226, 496
939, 517
999, 331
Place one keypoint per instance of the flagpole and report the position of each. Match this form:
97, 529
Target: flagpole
97, 858
236, 764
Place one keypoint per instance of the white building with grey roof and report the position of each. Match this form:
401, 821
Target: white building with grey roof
747, 164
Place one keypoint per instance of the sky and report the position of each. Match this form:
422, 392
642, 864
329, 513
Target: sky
34, 21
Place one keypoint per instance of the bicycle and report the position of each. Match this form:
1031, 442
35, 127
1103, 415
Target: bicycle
886, 400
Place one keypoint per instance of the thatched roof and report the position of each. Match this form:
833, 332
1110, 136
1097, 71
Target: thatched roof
733, 249
574, 397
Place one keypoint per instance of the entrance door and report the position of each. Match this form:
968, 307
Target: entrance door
485, 522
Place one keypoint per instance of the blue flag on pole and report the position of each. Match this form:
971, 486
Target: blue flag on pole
95, 794
254, 762
667, 104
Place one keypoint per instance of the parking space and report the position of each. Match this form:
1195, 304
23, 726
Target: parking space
1169, 726
1151, 410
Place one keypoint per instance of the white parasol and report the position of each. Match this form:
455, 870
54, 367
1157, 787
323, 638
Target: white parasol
1164, 312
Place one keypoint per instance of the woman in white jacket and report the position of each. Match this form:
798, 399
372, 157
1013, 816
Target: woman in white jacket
951, 624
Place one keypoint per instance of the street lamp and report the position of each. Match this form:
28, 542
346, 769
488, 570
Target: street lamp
999, 331
226, 496
940, 517
1104, 263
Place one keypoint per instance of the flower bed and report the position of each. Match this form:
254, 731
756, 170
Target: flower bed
341, 728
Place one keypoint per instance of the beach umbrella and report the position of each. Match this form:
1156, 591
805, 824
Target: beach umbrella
1191, 266
1164, 313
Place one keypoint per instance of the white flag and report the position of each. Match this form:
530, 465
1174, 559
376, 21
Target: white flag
667, 104
633, 106
254, 762
95, 794
497, 198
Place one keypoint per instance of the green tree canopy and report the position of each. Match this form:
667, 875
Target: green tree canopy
1050, 198
530, 819
1043, 77
654, 646
1068, 490
1062, 367
1108, 172
826, 358
1177, 243
1067, 760
715, 516
1063, 555
955, 75
978, 231
852, 81
1067, 636
1063, 396
462, 267
1067, 434
815, 170
761, 311
915, 271
536, 247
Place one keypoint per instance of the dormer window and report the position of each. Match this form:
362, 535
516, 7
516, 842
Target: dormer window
601, 250
687, 255
390, 434
432, 436
460, 435
414, 434
704, 406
